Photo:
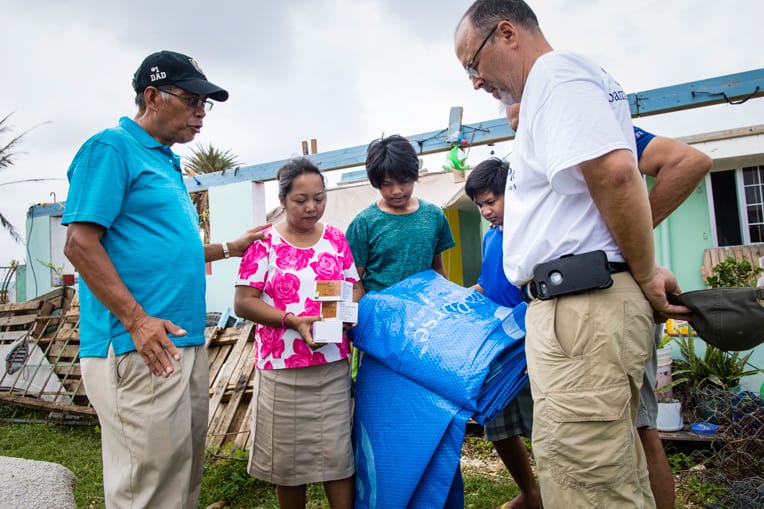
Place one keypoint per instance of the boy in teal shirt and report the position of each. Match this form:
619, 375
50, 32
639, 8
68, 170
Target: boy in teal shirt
398, 235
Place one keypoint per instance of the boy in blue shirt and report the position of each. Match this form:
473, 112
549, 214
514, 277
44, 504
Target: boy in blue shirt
485, 186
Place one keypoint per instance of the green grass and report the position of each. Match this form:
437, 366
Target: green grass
226, 480
78, 448
483, 491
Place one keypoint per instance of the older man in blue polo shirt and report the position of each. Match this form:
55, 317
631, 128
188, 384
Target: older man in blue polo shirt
133, 236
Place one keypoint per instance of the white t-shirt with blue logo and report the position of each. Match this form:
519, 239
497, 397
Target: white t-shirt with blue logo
571, 111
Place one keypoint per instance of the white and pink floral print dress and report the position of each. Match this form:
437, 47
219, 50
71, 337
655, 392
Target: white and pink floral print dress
286, 276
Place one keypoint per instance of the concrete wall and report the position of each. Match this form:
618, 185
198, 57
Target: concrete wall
472, 245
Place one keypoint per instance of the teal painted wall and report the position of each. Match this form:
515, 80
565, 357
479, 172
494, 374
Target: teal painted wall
38, 280
682, 237
679, 244
21, 283
233, 216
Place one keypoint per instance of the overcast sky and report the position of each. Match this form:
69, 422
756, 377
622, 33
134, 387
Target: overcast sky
341, 71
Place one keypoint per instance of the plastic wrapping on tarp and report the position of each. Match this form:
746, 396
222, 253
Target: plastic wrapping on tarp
435, 354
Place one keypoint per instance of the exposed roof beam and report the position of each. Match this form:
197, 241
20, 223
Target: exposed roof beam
732, 88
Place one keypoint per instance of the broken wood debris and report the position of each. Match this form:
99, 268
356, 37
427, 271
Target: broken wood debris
50, 324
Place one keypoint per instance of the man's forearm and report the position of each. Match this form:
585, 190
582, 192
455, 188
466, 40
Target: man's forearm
235, 248
673, 185
620, 195
678, 169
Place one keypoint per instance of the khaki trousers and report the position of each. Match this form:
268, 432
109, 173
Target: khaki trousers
153, 429
586, 359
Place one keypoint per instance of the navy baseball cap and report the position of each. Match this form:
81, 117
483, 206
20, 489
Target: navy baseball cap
731, 319
171, 68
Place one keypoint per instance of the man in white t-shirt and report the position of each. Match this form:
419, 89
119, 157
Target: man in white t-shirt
574, 188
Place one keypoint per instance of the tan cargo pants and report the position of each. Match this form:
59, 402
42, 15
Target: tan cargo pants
586, 359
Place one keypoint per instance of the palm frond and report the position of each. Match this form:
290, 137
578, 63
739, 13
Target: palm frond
210, 159
12, 231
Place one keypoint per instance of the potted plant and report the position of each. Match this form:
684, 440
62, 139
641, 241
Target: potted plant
716, 367
710, 379
55, 272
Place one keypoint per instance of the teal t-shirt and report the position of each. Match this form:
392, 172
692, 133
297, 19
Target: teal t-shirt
129, 183
392, 247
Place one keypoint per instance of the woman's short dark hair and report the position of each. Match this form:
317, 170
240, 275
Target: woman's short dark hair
393, 157
489, 175
293, 169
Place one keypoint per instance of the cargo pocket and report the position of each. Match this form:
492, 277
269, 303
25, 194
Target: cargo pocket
588, 435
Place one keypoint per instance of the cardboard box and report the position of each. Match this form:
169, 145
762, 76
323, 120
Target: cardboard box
327, 331
340, 310
334, 290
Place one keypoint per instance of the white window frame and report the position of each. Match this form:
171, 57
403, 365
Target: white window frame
741, 203
740, 184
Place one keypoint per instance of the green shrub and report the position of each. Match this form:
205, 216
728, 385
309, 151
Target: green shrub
226, 480
734, 274
706, 492
680, 461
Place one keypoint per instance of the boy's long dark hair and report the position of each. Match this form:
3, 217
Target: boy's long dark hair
489, 175
393, 157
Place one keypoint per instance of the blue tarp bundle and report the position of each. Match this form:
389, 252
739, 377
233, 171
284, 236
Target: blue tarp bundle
435, 354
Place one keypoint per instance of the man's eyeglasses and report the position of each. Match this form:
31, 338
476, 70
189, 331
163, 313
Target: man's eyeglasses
471, 67
193, 101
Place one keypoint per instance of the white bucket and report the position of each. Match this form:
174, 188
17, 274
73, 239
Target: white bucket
670, 416
663, 375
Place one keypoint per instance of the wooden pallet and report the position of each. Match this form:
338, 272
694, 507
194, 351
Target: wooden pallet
44, 322
41, 316
716, 255
49, 323
232, 371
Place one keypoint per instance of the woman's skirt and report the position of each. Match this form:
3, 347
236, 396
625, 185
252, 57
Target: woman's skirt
301, 425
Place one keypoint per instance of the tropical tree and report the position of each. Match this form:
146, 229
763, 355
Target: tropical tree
207, 160
7, 154
210, 159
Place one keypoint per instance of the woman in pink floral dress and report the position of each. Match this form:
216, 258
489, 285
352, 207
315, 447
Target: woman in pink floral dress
301, 423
